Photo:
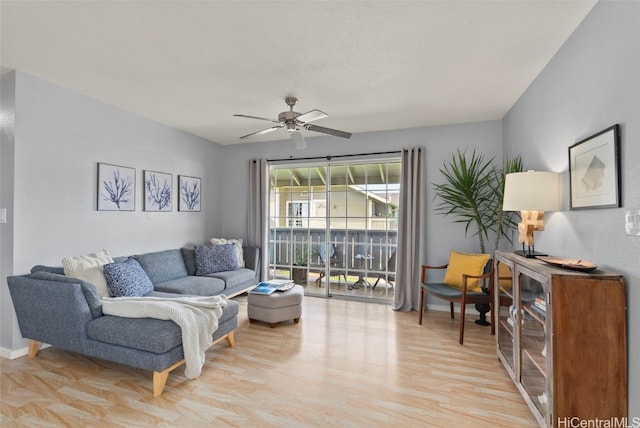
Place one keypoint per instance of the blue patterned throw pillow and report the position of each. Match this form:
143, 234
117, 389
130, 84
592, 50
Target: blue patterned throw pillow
216, 258
127, 279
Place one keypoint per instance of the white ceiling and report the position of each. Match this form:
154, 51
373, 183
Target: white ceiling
371, 65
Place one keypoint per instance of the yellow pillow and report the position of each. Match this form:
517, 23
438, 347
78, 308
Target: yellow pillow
460, 263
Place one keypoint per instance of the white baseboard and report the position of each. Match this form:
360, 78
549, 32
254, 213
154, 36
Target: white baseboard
12, 354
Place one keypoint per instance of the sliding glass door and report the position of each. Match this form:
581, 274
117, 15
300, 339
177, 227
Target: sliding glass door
333, 227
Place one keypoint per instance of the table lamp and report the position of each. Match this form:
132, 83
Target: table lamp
532, 193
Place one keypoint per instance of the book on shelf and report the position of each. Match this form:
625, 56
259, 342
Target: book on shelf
272, 285
540, 304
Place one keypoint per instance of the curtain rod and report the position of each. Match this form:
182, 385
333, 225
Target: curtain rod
329, 157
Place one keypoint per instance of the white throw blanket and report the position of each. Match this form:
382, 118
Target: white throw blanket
197, 317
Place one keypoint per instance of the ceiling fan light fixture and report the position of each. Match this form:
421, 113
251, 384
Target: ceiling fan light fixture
298, 139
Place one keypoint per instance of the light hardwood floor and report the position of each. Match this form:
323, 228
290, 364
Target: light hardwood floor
347, 364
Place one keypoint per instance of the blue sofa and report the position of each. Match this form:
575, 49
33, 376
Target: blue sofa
67, 312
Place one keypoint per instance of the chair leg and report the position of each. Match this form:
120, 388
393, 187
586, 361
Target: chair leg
421, 305
451, 308
376, 283
462, 308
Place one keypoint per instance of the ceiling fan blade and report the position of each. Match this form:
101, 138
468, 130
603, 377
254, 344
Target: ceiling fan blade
312, 115
298, 139
256, 117
334, 132
264, 131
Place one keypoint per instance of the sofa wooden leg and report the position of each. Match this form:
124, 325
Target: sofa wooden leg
159, 381
34, 347
160, 378
231, 339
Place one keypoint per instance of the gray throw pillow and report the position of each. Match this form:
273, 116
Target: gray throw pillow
216, 258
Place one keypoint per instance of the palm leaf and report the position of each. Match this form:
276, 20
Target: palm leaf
465, 192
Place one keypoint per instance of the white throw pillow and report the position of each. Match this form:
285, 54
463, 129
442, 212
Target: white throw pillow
89, 268
238, 242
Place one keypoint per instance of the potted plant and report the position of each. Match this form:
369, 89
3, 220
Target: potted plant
473, 192
299, 272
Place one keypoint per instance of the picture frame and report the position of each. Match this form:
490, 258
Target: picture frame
594, 170
116, 188
158, 191
190, 193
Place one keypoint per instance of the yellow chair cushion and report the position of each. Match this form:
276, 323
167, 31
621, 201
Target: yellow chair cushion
461, 263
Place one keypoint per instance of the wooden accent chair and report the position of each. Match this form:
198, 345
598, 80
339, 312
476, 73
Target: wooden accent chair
468, 279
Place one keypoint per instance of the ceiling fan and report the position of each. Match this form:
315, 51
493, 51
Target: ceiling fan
294, 121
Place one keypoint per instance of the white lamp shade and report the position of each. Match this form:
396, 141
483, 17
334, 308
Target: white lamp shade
532, 191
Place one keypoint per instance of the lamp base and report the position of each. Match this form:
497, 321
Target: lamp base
530, 254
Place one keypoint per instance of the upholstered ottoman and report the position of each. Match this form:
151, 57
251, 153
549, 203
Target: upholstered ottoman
276, 307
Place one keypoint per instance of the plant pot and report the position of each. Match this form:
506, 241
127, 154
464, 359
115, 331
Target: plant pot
299, 275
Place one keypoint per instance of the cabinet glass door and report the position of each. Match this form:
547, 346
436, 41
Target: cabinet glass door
533, 363
505, 312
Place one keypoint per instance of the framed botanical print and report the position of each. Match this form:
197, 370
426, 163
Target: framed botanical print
116, 188
189, 191
157, 191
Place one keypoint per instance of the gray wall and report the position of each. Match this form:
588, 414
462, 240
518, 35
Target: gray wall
60, 136
592, 83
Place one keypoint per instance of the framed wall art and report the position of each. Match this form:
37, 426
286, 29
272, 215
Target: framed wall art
189, 193
594, 170
116, 188
157, 191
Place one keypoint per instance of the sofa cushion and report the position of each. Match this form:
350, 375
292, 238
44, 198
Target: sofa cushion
162, 265
229, 311
195, 285
127, 279
234, 277
147, 334
237, 242
89, 268
189, 257
216, 258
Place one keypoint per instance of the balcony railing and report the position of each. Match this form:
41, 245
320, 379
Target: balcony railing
304, 247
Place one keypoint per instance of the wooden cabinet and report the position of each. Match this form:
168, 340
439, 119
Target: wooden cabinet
562, 336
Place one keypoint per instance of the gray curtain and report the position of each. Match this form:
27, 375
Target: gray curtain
408, 255
257, 227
